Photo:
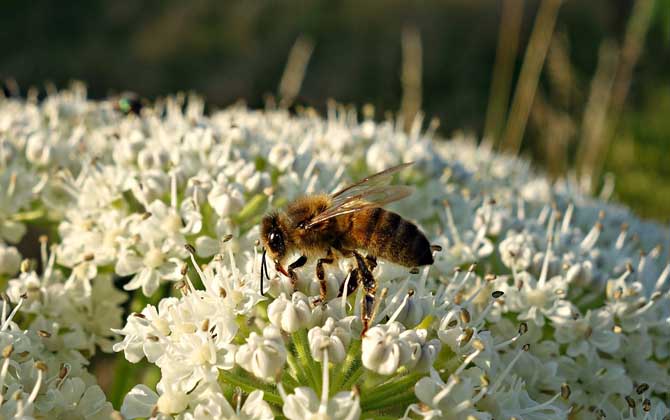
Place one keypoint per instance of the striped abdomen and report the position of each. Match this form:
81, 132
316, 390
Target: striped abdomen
386, 235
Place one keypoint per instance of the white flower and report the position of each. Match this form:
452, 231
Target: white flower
536, 299
636, 355
594, 330
198, 186
194, 357
10, 259
40, 383
290, 315
149, 263
465, 248
453, 399
241, 290
333, 337
517, 251
152, 158
599, 378
96, 235
139, 402
580, 273
304, 404
77, 314
514, 402
429, 352
74, 399
188, 338
128, 192
161, 222
172, 402
149, 186
254, 408
281, 156
225, 198
263, 355
387, 347
206, 246
141, 331
211, 404
415, 309
539, 369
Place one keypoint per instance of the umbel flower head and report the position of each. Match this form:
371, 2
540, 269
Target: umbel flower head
542, 303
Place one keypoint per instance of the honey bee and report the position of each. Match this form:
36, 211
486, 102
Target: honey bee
326, 227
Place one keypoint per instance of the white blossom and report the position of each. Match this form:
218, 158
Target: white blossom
543, 302
290, 315
333, 337
517, 251
149, 263
10, 259
304, 404
594, 330
388, 347
263, 355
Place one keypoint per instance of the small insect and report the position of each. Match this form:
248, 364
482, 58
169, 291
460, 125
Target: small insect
326, 227
129, 103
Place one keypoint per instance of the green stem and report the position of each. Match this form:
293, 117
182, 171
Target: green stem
123, 380
402, 399
369, 415
447, 360
296, 368
345, 371
249, 385
304, 356
27, 216
353, 377
453, 364
290, 383
388, 391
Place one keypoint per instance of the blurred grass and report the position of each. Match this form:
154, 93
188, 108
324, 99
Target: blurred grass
640, 157
232, 50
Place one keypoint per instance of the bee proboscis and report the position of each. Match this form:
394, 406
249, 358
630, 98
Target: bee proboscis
326, 227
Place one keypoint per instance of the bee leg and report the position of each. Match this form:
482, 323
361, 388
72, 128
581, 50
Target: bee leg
291, 269
371, 261
321, 275
370, 287
352, 284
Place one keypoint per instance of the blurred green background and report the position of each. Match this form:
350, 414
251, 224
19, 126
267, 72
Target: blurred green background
592, 96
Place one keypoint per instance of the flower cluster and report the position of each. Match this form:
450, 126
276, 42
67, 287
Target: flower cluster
39, 382
73, 313
542, 303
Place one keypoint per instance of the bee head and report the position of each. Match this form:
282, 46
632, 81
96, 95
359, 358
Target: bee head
274, 236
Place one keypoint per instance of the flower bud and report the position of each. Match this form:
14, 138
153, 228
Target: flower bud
172, 402
333, 337
387, 347
10, 260
290, 315
516, 251
265, 355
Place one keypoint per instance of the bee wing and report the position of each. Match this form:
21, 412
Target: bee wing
377, 180
373, 197
372, 191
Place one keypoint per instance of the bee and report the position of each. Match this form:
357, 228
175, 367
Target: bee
325, 227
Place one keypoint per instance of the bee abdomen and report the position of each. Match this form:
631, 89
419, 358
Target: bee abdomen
386, 235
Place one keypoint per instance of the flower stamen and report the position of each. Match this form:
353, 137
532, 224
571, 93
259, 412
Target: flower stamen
5, 324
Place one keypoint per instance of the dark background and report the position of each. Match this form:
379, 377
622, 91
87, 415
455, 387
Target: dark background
228, 51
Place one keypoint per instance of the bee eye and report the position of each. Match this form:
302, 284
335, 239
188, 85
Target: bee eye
276, 242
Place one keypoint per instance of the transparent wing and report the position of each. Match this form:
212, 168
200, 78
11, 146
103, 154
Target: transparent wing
372, 191
377, 180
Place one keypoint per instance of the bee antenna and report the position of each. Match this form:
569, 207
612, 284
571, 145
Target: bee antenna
264, 270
